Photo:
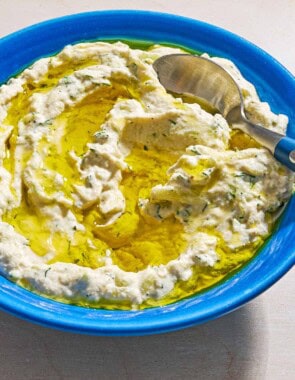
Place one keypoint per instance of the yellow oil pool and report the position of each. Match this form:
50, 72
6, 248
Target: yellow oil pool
135, 241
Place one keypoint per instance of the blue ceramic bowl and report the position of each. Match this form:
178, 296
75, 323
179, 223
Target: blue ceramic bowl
274, 84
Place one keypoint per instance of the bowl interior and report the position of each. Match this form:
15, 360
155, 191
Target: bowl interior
274, 84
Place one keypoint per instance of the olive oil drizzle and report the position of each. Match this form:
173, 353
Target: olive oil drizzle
135, 241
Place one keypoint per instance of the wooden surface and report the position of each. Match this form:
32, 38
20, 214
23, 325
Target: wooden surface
255, 342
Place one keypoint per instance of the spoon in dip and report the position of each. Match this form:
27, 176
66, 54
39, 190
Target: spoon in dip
205, 79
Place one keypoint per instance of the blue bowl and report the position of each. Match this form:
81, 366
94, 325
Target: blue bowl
274, 84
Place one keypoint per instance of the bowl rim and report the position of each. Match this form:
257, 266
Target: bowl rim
184, 313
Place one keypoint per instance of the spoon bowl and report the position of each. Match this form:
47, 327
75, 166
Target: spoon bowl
205, 79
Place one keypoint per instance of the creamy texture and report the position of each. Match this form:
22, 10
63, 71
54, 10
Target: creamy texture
114, 192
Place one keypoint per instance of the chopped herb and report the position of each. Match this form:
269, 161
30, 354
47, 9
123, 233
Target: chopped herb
172, 121
158, 209
274, 207
48, 122
184, 179
47, 270
145, 147
184, 213
101, 135
140, 203
194, 150
207, 172
66, 80
232, 192
133, 68
205, 206
89, 181
252, 179
154, 134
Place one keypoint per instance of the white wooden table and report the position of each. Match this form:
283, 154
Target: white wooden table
257, 341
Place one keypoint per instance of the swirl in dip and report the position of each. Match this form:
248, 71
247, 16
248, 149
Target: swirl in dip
115, 193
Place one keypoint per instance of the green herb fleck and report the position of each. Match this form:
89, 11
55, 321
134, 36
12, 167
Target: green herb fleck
184, 213
158, 209
47, 270
274, 207
232, 193
207, 172
88, 181
48, 122
205, 206
133, 68
252, 179
66, 80
84, 255
194, 150
69, 246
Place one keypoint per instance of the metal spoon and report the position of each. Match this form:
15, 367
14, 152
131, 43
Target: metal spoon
201, 77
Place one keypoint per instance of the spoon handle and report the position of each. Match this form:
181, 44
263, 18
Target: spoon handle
285, 152
282, 147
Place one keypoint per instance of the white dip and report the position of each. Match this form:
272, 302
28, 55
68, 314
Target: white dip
64, 193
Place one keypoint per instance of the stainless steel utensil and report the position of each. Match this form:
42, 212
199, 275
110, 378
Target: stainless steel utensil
201, 77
